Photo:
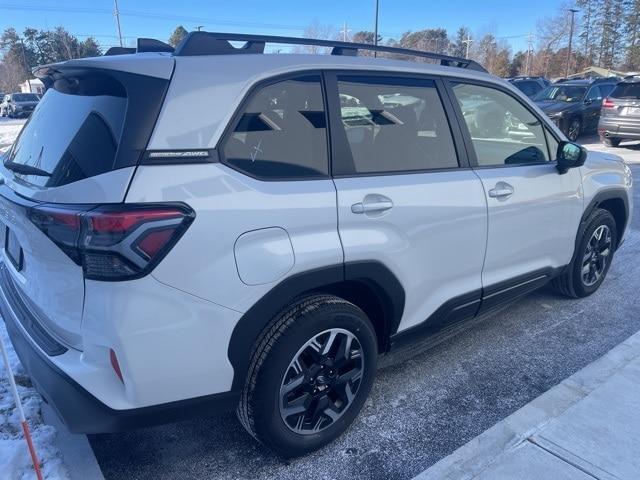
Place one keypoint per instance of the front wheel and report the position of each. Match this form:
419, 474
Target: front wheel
592, 258
310, 375
574, 128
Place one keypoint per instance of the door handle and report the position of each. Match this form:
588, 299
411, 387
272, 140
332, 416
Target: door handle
501, 190
372, 204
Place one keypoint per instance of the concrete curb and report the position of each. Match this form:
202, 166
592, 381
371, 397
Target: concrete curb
511, 433
77, 454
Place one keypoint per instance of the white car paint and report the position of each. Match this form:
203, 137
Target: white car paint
171, 330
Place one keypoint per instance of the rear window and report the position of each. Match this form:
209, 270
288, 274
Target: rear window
24, 97
626, 90
71, 137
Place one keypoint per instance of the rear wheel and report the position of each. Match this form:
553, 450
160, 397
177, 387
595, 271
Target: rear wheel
310, 375
574, 128
592, 258
611, 141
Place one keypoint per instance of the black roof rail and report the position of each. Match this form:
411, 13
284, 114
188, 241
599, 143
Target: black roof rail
214, 43
143, 45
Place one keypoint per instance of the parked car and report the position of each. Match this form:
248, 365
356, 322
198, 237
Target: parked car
209, 231
530, 86
18, 104
574, 105
620, 117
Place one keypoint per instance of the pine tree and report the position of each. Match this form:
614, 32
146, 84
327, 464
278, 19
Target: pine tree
178, 34
458, 44
632, 33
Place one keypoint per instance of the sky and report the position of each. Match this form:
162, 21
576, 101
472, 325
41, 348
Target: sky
508, 20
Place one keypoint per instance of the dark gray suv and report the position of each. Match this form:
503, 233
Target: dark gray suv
18, 104
620, 115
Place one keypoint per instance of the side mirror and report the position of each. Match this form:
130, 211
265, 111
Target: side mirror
588, 101
570, 155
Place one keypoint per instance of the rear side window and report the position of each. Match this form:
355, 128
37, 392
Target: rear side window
281, 132
393, 125
503, 131
627, 90
71, 137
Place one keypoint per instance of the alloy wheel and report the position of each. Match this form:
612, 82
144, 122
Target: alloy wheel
321, 381
596, 256
574, 130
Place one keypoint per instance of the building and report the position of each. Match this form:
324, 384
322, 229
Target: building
33, 85
597, 72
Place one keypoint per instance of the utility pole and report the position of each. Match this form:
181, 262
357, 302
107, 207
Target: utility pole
573, 14
529, 52
26, 65
375, 29
467, 41
345, 31
116, 13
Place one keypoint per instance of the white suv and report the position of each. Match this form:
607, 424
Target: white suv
216, 228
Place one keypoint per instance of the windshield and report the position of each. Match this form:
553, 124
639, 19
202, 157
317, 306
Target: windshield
82, 146
25, 97
562, 93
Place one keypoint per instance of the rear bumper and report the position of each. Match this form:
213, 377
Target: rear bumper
82, 412
619, 127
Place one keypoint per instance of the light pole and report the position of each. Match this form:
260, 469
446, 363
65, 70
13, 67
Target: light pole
573, 14
375, 30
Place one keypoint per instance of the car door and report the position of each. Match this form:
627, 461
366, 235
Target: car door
533, 210
592, 106
406, 196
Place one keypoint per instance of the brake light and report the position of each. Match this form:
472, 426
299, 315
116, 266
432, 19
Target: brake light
608, 103
114, 242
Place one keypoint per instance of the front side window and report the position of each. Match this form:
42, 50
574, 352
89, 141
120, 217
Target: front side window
503, 131
594, 94
281, 133
393, 125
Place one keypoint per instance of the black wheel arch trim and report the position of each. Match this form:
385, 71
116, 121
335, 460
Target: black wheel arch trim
614, 193
251, 325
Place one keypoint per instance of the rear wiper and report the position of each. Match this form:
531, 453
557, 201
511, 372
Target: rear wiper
26, 169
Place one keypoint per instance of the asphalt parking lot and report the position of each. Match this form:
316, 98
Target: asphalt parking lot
422, 409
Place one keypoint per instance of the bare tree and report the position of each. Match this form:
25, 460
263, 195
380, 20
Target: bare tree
318, 31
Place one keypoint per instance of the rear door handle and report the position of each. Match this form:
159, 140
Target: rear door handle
372, 203
501, 190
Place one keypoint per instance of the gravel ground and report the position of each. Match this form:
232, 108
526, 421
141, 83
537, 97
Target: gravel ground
422, 409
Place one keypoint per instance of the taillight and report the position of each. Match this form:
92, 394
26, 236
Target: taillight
114, 242
608, 103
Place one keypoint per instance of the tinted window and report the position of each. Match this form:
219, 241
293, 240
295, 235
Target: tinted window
562, 93
82, 145
25, 97
281, 132
503, 131
393, 125
606, 89
594, 94
527, 87
627, 90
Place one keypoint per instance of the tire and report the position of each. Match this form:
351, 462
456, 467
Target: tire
573, 282
302, 332
573, 129
611, 141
